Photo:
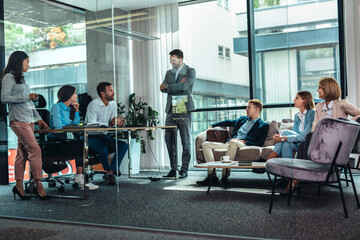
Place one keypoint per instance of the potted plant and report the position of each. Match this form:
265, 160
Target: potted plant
139, 114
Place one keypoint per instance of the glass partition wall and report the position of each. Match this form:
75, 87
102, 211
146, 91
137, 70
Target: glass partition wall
239, 49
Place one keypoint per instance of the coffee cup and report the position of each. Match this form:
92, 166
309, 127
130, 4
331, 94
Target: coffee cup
225, 159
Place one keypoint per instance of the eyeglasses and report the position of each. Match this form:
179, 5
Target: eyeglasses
174, 59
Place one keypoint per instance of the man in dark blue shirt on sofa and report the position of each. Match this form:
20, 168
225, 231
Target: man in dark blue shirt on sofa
249, 130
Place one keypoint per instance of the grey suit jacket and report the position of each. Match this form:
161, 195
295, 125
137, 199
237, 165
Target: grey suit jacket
176, 87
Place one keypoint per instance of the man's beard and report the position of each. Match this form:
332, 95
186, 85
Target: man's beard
109, 98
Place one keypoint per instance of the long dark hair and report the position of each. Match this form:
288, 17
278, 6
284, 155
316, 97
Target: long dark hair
15, 66
64, 94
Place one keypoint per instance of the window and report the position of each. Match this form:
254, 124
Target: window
221, 51
226, 4
227, 53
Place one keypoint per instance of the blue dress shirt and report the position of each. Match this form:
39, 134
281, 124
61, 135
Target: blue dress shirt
60, 116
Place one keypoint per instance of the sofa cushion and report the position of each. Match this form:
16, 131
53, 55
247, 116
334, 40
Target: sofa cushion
265, 152
217, 134
249, 153
272, 131
285, 126
200, 156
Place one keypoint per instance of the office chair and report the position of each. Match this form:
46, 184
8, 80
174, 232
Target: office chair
84, 100
55, 154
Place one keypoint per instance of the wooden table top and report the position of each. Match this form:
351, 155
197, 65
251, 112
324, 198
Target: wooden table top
100, 129
233, 164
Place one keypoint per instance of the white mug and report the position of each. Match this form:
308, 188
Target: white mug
225, 159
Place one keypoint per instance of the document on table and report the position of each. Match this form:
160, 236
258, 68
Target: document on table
221, 164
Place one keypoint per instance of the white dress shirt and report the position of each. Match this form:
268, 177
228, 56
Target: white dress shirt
328, 109
177, 71
302, 120
97, 112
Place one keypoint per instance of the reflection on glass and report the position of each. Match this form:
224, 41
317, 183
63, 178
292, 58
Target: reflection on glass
222, 75
296, 44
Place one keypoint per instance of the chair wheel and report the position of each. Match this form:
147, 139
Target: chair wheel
61, 189
75, 185
67, 181
51, 184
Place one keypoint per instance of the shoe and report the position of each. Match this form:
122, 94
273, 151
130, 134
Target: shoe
46, 197
225, 182
79, 179
110, 178
117, 174
172, 173
183, 174
296, 189
206, 181
16, 191
259, 170
91, 186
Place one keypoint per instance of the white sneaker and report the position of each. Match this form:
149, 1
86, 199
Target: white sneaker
79, 179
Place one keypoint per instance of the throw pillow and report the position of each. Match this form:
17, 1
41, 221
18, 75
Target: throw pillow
272, 131
217, 134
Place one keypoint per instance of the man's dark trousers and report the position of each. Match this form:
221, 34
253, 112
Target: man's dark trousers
183, 123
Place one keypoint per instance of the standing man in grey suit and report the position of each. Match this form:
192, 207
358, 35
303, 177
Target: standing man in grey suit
178, 84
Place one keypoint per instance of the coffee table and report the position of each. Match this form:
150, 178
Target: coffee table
232, 164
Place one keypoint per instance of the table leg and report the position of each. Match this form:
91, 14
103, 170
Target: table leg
129, 155
271, 183
176, 153
86, 165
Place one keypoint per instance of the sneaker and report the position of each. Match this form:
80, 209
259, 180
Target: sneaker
91, 186
79, 179
206, 181
110, 178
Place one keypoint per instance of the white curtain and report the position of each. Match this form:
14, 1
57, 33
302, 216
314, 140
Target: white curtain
150, 61
352, 40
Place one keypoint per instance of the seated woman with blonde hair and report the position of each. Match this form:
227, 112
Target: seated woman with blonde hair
333, 107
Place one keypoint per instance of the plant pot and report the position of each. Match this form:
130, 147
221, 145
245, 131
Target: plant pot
135, 154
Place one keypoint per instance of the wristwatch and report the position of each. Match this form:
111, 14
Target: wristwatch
283, 139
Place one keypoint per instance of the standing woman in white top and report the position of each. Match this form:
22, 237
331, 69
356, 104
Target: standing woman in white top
22, 117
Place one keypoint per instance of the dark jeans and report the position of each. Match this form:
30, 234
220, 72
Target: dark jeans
103, 145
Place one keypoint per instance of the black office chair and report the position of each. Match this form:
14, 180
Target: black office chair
84, 100
55, 154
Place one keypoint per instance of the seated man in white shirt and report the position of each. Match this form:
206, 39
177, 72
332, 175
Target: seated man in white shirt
103, 110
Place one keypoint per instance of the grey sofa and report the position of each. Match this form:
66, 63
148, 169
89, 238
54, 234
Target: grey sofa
249, 153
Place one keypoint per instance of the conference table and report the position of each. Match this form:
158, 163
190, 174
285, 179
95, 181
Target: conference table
86, 130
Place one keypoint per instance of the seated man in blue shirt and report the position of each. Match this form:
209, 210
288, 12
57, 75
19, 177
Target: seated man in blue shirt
249, 130
103, 110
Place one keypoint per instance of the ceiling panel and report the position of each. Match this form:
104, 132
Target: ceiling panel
127, 5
